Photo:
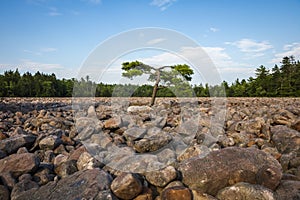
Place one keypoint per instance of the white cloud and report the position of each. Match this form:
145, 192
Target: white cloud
48, 49
288, 50
251, 46
162, 4
54, 12
156, 41
212, 29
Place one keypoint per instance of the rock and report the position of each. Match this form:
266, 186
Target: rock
285, 139
139, 109
8, 180
288, 189
146, 194
91, 112
296, 125
44, 175
229, 166
162, 177
66, 168
192, 151
152, 143
76, 153
4, 193
202, 196
60, 158
22, 150
134, 133
86, 184
18, 164
245, 191
49, 142
126, 186
2, 154
113, 123
86, 161
12, 144
176, 193
23, 185
3, 136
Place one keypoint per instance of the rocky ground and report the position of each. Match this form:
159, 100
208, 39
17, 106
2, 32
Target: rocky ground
202, 149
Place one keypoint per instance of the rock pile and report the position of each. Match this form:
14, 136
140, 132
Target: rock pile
248, 148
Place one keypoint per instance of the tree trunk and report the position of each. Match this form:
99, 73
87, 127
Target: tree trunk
155, 88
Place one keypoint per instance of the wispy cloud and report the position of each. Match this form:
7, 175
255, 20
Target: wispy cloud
41, 51
288, 50
48, 49
156, 41
213, 29
162, 4
251, 46
95, 2
54, 12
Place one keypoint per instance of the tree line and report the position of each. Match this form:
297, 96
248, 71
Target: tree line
280, 81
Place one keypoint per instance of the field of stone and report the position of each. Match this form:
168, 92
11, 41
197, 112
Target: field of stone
178, 149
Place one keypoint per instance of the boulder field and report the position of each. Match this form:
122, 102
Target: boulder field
178, 149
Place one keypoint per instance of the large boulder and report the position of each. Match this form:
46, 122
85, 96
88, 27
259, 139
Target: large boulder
285, 139
18, 164
245, 191
86, 184
12, 144
288, 189
229, 166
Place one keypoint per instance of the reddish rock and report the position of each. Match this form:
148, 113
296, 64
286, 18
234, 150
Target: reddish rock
176, 193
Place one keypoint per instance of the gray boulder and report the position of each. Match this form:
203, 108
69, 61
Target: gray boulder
86, 184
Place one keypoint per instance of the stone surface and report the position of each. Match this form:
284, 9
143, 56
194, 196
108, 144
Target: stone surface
66, 168
49, 142
161, 177
152, 143
12, 144
18, 164
288, 189
245, 191
228, 166
285, 139
4, 193
176, 193
87, 184
139, 109
126, 186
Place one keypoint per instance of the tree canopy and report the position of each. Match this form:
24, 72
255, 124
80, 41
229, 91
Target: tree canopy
280, 81
176, 76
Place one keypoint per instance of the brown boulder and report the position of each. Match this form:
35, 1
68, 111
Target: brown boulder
229, 166
18, 164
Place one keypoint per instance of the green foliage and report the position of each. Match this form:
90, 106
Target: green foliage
280, 81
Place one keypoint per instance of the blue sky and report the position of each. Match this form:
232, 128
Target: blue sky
58, 35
